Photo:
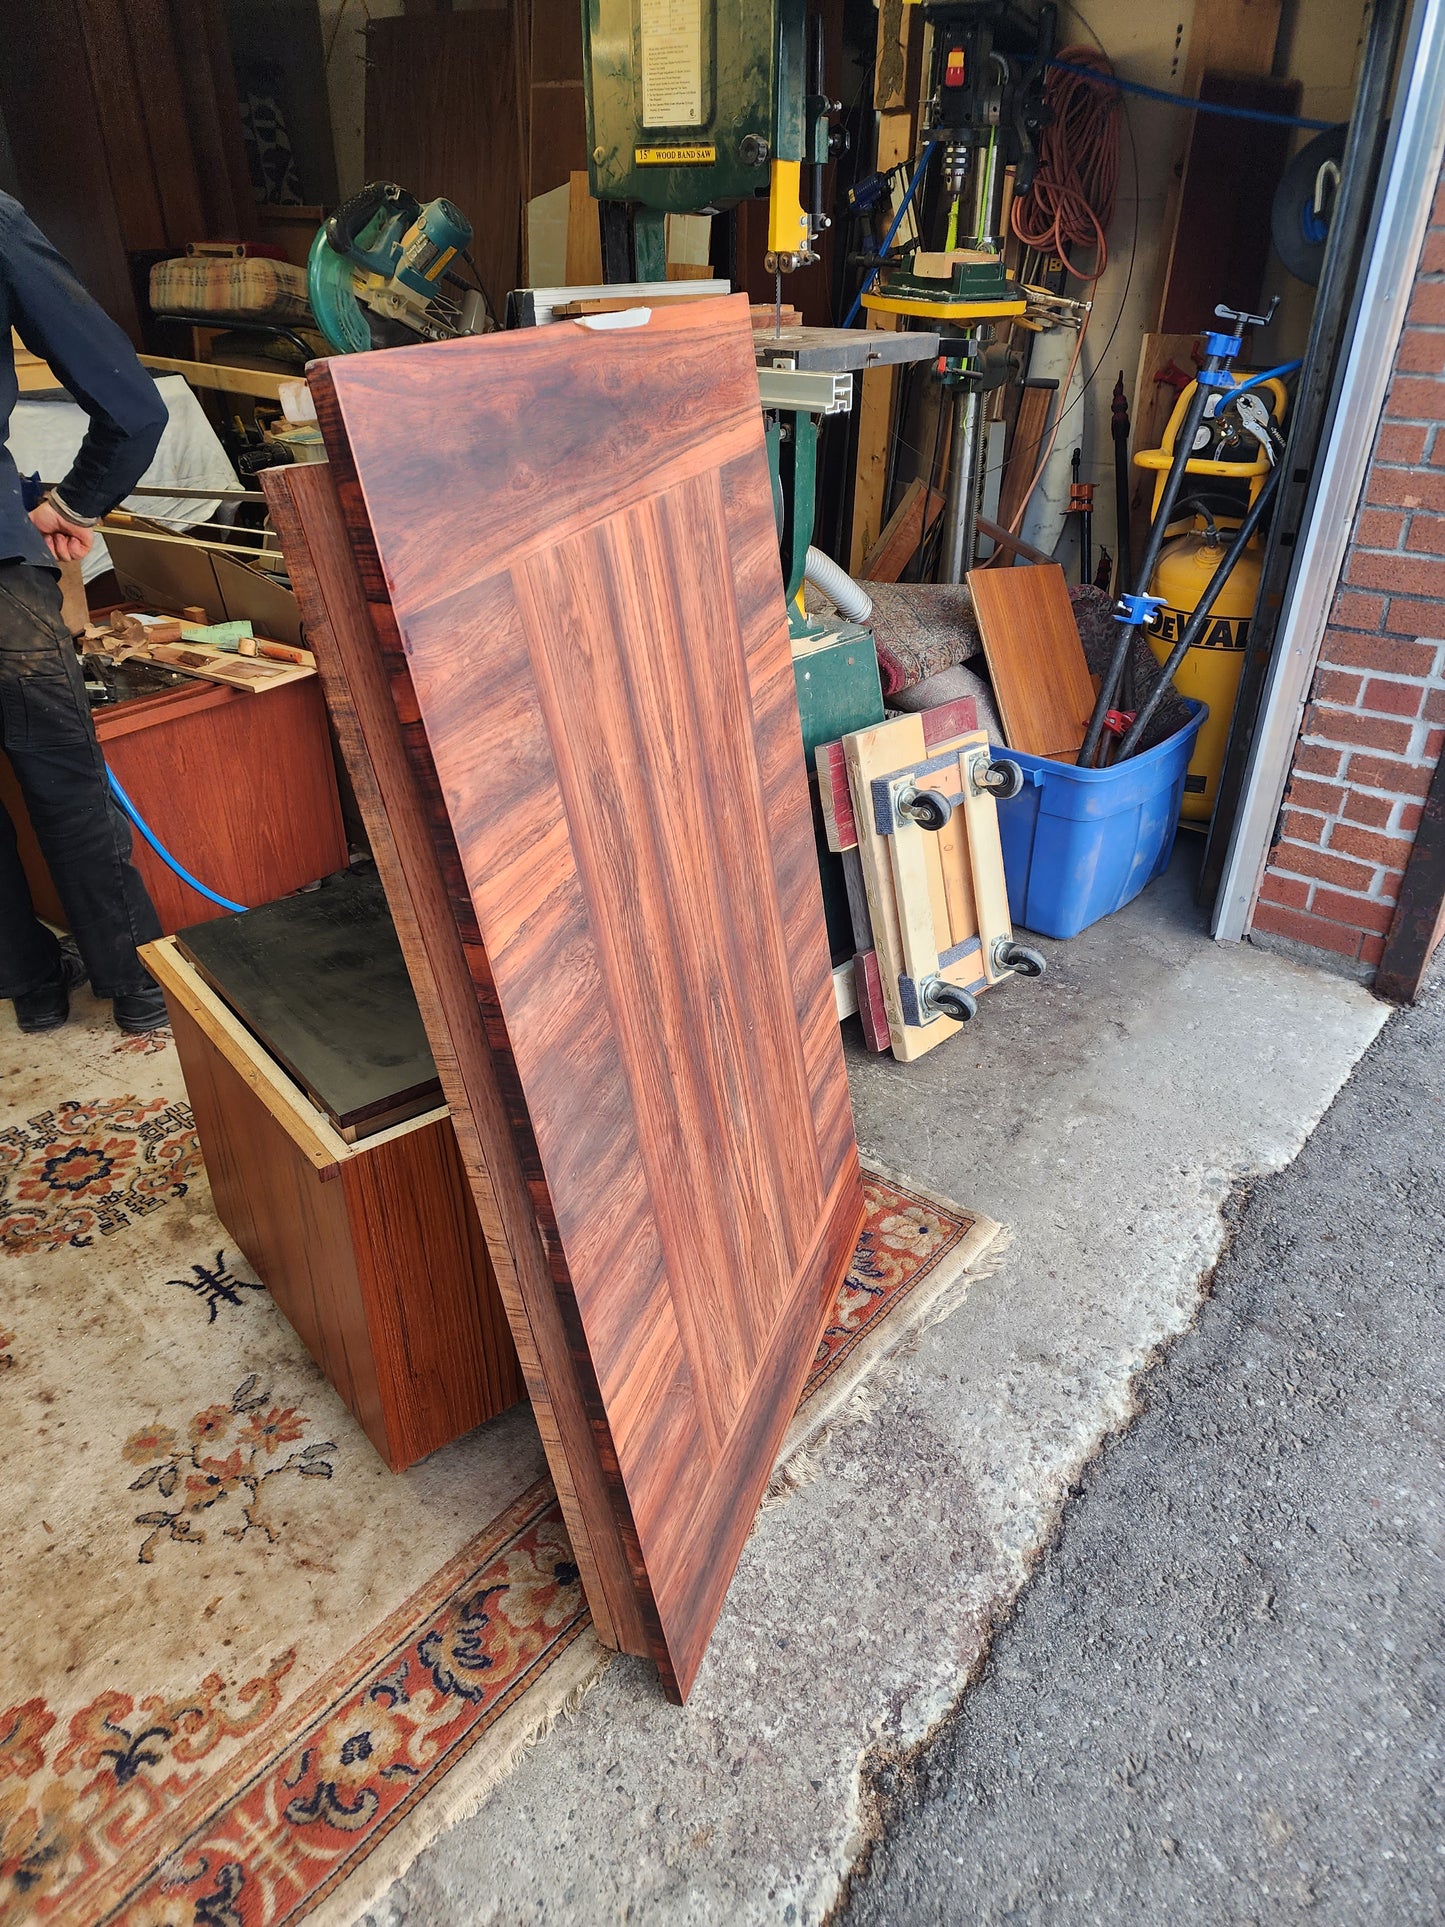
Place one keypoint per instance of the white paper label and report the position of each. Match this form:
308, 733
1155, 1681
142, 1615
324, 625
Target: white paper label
672, 63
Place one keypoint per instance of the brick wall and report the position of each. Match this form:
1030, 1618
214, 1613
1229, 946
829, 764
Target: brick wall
1374, 726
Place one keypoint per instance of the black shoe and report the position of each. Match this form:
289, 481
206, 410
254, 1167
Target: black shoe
141, 1010
48, 1007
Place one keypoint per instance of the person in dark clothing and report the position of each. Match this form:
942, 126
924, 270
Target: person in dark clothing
45, 722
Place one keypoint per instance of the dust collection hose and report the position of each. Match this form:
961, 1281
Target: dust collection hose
1194, 628
850, 598
162, 852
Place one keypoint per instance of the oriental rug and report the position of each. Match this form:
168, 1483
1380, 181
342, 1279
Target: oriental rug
247, 1673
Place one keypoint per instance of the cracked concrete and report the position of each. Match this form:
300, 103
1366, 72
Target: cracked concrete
1104, 1114
1220, 1698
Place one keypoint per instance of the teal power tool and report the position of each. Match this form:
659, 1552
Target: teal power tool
380, 273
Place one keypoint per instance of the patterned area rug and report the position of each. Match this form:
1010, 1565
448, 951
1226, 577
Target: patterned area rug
248, 1672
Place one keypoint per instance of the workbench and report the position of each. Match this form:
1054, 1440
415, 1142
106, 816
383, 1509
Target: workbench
240, 788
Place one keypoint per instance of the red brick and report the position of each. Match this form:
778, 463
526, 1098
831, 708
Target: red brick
1409, 819
1421, 352
1369, 845
1415, 575
1390, 655
1295, 860
1368, 732
1427, 304
1289, 891
1306, 794
1406, 488
1355, 611
1385, 773
1432, 255
1398, 442
1409, 616
1434, 744
1318, 759
1426, 537
1372, 949
1302, 828
1434, 711
1416, 398
1359, 913
1337, 686
1392, 698
1374, 810
1313, 931
1382, 529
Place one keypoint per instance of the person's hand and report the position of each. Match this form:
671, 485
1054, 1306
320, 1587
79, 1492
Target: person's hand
64, 540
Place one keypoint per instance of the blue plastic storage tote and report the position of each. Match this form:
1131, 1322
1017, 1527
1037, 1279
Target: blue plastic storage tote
1080, 843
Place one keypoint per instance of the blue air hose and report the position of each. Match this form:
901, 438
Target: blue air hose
162, 852
888, 237
1184, 100
1265, 374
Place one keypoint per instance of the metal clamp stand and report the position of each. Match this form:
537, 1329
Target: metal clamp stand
1135, 610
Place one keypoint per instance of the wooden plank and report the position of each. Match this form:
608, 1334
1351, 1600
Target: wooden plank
443, 115
697, 1224
216, 374
584, 234
877, 386
902, 533
1221, 238
1036, 398
872, 1011
1225, 37
1035, 659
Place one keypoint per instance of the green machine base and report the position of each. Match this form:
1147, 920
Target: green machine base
839, 690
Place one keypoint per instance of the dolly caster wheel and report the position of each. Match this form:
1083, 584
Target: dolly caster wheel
929, 809
947, 1000
1002, 779
1019, 958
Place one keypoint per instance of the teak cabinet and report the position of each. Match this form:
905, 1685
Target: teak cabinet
372, 1250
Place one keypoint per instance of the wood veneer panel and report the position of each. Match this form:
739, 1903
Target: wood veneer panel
1035, 659
567, 548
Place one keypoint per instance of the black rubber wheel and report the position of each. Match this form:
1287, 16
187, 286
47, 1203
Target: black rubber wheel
1022, 960
929, 809
1004, 779
952, 1002
1300, 234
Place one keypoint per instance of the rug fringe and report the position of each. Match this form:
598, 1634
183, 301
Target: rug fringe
470, 1783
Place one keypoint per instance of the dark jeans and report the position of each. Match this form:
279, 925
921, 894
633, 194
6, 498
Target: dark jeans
47, 733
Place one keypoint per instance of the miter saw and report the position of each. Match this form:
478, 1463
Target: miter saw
380, 273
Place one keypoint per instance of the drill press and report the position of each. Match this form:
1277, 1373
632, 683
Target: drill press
982, 117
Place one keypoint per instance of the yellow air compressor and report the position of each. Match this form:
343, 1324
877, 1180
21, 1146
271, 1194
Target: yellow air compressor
1233, 458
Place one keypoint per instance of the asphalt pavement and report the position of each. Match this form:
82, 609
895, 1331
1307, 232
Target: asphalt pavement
1219, 1697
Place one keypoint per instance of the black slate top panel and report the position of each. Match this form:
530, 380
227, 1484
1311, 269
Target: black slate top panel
320, 980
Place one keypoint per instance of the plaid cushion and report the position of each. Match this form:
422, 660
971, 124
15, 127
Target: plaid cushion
258, 290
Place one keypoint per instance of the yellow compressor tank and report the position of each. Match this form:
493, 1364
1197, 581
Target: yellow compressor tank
1210, 670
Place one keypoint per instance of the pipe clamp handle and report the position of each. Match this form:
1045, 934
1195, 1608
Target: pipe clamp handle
1137, 610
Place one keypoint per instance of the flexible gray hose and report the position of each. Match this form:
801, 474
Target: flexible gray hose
847, 596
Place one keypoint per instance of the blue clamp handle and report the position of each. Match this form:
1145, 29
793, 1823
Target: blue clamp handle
1138, 609
1215, 378
1226, 345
